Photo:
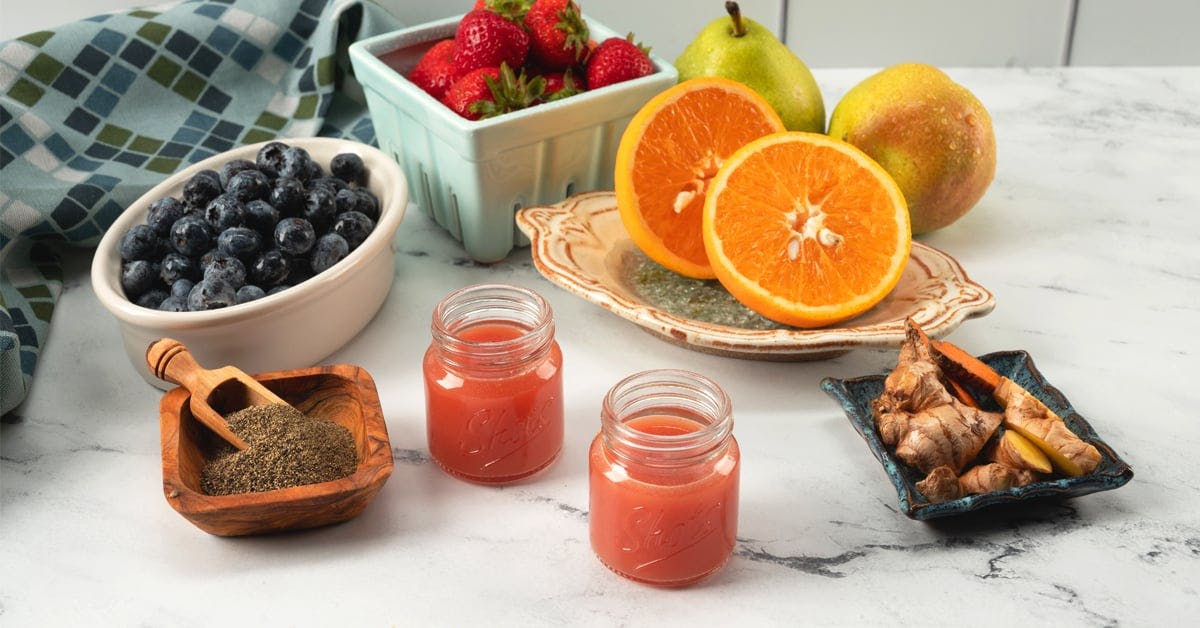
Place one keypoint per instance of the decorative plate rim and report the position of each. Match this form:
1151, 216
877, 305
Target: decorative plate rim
1112, 473
562, 233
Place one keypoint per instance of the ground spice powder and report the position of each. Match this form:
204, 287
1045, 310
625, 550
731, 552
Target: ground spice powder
286, 448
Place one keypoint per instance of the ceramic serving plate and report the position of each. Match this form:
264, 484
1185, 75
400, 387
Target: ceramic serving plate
855, 396
581, 245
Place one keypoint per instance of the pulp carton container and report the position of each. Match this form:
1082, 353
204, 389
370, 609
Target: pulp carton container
472, 176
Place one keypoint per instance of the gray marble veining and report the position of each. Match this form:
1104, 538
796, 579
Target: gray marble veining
1089, 239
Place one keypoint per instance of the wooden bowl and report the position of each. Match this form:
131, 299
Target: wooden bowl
342, 393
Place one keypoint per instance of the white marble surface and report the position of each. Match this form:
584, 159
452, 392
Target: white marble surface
1088, 237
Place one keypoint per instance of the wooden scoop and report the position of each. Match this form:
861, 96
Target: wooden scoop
214, 393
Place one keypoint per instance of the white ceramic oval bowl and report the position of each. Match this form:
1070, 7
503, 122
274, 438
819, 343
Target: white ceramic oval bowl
295, 328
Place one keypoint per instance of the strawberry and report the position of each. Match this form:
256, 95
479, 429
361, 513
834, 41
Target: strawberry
561, 85
436, 72
489, 92
484, 39
616, 60
509, 9
558, 35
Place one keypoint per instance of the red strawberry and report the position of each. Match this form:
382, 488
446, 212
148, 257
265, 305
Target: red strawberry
616, 60
485, 40
558, 35
436, 72
511, 9
561, 85
489, 92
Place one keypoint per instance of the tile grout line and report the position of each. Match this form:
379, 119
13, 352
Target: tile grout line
1072, 15
783, 11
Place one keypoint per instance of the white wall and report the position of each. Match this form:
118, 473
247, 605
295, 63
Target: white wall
843, 33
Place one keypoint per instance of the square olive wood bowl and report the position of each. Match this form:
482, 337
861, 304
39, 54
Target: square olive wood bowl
342, 393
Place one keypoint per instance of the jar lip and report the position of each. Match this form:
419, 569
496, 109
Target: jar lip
520, 307
670, 392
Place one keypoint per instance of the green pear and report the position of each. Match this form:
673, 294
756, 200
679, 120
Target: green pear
743, 50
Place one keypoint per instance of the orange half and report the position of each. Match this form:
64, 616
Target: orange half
668, 156
805, 229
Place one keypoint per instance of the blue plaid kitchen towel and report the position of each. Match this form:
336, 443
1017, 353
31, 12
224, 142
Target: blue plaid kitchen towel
95, 113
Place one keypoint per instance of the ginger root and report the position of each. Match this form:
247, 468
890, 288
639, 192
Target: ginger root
951, 434
918, 416
1028, 416
943, 485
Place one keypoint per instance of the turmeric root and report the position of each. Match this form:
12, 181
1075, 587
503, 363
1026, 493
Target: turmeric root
1028, 416
1014, 450
964, 366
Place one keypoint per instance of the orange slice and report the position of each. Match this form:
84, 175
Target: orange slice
668, 154
805, 229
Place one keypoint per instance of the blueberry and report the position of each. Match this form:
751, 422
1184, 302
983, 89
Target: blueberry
211, 293
226, 268
329, 250
367, 203
153, 299
287, 197
299, 272
163, 213
174, 303
201, 188
354, 226
138, 277
191, 235
333, 184
295, 236
233, 167
319, 208
140, 242
295, 163
277, 289
261, 217
181, 288
349, 168
248, 293
346, 200
225, 211
249, 185
269, 268
176, 266
240, 242
208, 257
270, 157
315, 171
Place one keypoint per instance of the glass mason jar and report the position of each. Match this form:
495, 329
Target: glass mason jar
493, 384
664, 478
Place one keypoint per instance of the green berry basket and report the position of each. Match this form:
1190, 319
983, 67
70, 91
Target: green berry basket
472, 176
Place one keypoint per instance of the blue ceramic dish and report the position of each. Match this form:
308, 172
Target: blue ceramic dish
856, 395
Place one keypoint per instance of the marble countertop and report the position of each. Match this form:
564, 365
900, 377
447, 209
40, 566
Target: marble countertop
1087, 237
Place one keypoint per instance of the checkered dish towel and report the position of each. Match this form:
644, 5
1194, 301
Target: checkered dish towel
95, 113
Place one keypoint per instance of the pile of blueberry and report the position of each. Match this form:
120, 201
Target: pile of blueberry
254, 228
